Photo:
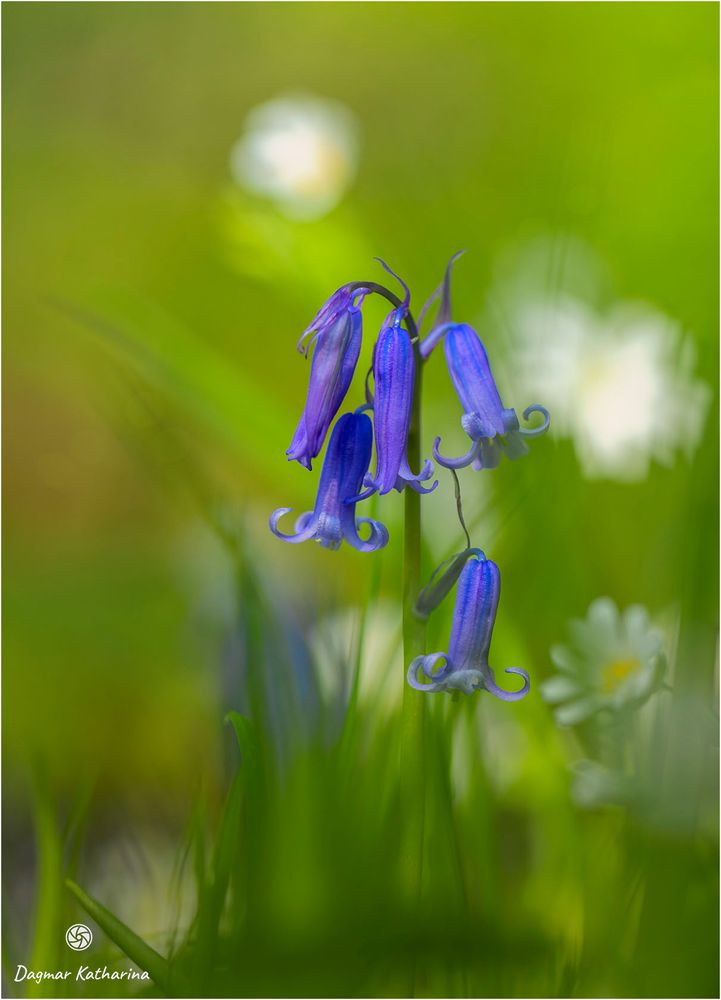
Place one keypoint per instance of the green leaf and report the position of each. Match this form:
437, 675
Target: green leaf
128, 941
44, 954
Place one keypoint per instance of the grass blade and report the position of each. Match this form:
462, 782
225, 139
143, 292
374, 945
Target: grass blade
128, 941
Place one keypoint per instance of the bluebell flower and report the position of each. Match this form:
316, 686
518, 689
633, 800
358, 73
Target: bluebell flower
465, 667
333, 519
493, 429
394, 371
336, 332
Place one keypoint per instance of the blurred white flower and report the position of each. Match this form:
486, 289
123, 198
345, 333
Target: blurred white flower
300, 151
594, 785
334, 644
615, 660
621, 385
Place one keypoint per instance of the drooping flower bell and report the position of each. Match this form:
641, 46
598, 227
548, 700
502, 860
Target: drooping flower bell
466, 666
394, 370
332, 520
493, 428
336, 332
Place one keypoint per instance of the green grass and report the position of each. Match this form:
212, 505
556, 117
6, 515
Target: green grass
301, 890
177, 680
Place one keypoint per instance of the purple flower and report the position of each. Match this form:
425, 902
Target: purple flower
394, 370
336, 332
493, 428
466, 665
333, 519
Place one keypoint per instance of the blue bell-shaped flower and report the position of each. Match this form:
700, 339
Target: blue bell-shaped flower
465, 667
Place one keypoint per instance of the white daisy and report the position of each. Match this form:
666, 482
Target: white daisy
619, 382
613, 661
300, 151
621, 385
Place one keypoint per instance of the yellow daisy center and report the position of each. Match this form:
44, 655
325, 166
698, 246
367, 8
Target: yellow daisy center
616, 672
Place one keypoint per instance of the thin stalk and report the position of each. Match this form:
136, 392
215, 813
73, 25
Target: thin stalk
412, 751
414, 635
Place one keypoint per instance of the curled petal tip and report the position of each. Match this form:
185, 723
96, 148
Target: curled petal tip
490, 685
302, 535
276, 516
406, 477
543, 427
456, 463
377, 539
435, 681
418, 487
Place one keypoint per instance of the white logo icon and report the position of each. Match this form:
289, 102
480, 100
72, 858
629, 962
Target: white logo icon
78, 937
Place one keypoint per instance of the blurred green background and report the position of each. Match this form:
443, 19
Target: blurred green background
152, 303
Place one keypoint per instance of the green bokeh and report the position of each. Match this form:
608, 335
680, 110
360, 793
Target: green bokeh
150, 315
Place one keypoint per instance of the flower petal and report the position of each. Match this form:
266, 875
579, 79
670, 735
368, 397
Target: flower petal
477, 596
303, 535
514, 447
489, 454
304, 520
489, 683
560, 688
371, 488
456, 463
416, 486
393, 377
298, 449
426, 664
407, 478
576, 711
472, 378
332, 368
329, 529
603, 616
377, 540
564, 659
346, 462
468, 681
542, 427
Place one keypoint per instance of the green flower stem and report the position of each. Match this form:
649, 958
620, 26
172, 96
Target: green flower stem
414, 637
412, 762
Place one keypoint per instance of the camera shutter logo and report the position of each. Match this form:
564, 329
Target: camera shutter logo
78, 937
